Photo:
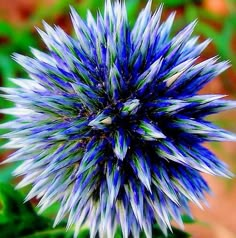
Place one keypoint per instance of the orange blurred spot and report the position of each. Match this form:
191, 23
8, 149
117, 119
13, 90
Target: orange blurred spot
216, 6
18, 12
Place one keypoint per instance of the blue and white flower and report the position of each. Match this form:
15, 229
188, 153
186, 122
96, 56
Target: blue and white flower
110, 125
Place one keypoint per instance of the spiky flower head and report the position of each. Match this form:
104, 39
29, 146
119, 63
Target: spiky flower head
109, 123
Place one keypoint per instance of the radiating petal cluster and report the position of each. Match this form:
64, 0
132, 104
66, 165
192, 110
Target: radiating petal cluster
110, 125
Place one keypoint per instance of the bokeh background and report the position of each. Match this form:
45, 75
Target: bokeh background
216, 20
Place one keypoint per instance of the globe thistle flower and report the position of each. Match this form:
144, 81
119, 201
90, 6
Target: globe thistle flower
110, 125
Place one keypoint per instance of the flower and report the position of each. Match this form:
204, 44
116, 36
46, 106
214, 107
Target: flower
110, 125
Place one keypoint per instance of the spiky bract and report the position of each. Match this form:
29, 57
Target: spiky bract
110, 124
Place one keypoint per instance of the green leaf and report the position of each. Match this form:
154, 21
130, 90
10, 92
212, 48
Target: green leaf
118, 233
157, 233
187, 219
16, 217
58, 233
174, 3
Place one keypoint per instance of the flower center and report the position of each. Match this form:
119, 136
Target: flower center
116, 115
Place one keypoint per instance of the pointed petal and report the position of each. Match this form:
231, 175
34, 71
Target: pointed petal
141, 167
113, 177
92, 156
120, 144
149, 131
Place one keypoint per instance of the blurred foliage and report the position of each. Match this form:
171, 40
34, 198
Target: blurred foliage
14, 38
17, 220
